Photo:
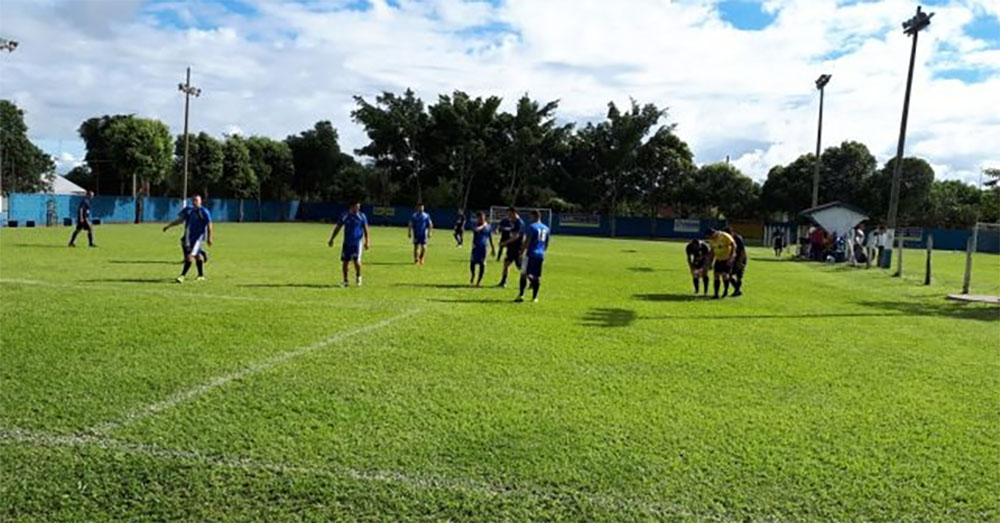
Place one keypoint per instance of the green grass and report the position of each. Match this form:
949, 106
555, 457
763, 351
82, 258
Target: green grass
824, 393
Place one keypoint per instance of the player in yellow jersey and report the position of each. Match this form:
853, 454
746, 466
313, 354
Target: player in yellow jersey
724, 249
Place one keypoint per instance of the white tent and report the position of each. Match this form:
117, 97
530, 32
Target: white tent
836, 217
61, 185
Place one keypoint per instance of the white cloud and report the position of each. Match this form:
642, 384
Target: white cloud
745, 94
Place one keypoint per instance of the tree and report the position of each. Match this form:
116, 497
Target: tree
664, 163
722, 191
206, 160
272, 164
141, 147
917, 176
788, 189
612, 148
81, 175
318, 159
951, 203
529, 143
990, 208
25, 167
461, 132
844, 176
108, 179
238, 174
397, 127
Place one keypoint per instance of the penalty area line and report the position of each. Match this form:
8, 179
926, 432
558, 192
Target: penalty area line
187, 395
39, 439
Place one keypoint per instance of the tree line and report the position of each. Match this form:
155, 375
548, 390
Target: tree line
465, 152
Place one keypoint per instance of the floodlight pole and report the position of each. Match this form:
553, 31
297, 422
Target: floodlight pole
911, 27
188, 91
821, 86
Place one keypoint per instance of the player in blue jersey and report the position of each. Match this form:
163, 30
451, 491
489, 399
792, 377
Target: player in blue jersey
83, 221
535, 243
356, 236
482, 235
504, 226
198, 231
513, 244
420, 230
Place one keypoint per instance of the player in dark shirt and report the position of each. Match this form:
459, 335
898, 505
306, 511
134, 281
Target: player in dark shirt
699, 258
739, 264
459, 228
513, 244
83, 221
504, 227
482, 235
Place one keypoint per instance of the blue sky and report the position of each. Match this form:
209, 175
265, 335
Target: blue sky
736, 75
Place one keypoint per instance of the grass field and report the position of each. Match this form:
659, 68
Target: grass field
266, 392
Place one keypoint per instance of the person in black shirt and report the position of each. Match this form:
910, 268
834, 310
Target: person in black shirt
505, 227
699, 258
513, 244
459, 228
740, 263
83, 221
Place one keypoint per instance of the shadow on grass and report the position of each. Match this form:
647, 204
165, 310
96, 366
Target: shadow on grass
959, 311
380, 264
629, 251
803, 316
478, 302
435, 285
667, 297
42, 245
144, 262
289, 285
774, 260
642, 269
129, 280
609, 318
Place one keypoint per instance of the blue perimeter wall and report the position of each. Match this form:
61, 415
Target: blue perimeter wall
121, 209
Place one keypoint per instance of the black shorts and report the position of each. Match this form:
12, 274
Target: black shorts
513, 253
722, 267
83, 226
700, 265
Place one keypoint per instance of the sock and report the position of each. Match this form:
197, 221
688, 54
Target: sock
201, 267
503, 279
704, 281
187, 267
695, 279
716, 288
90, 238
738, 285
524, 283
72, 239
726, 291
535, 285
482, 271
472, 271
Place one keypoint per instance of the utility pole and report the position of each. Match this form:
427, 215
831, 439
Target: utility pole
188, 91
912, 28
9, 46
820, 85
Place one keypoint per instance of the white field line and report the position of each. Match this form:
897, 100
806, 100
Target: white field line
166, 293
186, 395
481, 488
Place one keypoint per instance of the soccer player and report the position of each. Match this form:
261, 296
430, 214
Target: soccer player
699, 258
724, 250
505, 226
513, 244
355, 225
198, 230
779, 242
534, 246
482, 235
420, 230
83, 221
459, 229
739, 262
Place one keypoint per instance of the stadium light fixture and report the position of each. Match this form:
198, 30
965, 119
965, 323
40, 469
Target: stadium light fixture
911, 27
189, 91
8, 45
820, 85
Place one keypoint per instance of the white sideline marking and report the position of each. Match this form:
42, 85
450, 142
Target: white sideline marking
180, 397
132, 289
489, 489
